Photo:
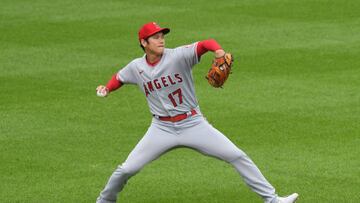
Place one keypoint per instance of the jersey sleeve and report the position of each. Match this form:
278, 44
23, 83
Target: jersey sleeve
189, 54
207, 45
113, 83
127, 74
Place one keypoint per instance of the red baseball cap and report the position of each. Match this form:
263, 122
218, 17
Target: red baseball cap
151, 28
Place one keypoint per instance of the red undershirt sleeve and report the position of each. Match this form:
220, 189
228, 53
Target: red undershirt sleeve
113, 84
206, 45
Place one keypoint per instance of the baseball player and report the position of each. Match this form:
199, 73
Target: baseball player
165, 78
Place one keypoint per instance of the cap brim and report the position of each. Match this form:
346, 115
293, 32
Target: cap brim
163, 30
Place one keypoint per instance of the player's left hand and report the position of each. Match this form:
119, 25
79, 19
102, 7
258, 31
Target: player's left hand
102, 91
220, 70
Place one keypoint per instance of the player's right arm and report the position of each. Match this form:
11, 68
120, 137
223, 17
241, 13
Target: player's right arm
125, 76
113, 84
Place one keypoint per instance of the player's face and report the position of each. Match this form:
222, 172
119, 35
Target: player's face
156, 43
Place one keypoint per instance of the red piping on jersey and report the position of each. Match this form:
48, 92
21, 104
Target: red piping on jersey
206, 45
114, 83
154, 63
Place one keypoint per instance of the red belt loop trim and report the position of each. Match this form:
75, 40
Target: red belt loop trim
179, 117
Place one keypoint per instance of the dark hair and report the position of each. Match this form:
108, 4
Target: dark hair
143, 48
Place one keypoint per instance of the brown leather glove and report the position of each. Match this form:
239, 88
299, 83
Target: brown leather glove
220, 70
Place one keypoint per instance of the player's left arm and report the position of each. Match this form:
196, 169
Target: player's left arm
209, 45
221, 66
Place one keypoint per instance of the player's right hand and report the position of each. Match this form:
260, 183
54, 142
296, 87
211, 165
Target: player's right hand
102, 91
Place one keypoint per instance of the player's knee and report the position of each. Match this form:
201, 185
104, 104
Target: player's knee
236, 155
127, 170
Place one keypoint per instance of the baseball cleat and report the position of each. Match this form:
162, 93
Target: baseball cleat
288, 199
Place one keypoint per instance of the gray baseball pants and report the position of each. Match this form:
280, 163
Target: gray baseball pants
193, 132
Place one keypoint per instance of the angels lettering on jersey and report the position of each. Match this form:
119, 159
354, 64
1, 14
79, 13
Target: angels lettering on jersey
161, 82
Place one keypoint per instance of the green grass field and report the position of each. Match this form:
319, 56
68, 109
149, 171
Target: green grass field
292, 103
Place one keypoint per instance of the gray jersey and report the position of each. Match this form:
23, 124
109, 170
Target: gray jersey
168, 86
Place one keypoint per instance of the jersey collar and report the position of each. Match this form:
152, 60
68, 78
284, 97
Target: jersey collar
154, 63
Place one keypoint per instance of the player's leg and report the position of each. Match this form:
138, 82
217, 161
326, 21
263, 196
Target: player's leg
208, 140
155, 142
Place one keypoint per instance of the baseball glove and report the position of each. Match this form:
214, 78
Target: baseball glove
220, 70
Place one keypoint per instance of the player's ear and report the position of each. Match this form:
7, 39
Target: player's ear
144, 42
